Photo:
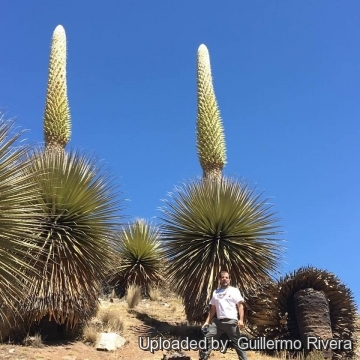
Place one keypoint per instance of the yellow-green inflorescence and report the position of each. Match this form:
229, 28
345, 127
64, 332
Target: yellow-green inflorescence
57, 126
211, 146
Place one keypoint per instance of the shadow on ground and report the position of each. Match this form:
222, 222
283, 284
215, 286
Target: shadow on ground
181, 331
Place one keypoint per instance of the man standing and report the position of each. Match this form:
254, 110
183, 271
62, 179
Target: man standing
226, 303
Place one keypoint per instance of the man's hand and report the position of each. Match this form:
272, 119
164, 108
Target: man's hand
241, 324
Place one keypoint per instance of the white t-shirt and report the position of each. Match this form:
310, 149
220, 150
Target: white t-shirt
225, 301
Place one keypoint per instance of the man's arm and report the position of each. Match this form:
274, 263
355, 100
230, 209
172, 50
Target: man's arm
240, 306
210, 316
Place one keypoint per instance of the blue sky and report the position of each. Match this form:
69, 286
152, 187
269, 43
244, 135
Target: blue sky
287, 80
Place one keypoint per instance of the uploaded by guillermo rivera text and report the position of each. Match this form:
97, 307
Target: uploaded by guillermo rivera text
260, 343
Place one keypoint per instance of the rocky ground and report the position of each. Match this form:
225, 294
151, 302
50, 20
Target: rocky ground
164, 317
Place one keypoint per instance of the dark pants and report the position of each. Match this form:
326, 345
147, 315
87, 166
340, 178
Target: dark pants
216, 329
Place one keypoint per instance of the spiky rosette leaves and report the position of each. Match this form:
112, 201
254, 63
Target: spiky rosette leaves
212, 226
281, 321
79, 215
57, 127
18, 220
210, 133
140, 259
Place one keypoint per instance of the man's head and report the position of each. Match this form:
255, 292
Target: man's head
224, 278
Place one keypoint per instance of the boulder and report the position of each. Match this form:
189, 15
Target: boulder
109, 341
175, 356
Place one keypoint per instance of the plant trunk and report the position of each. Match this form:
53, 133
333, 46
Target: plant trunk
313, 318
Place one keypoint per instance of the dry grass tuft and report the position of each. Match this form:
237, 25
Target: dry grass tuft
116, 322
285, 355
133, 296
104, 316
37, 341
154, 294
90, 334
112, 319
315, 355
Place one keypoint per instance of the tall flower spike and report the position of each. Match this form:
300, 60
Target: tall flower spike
211, 146
57, 126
